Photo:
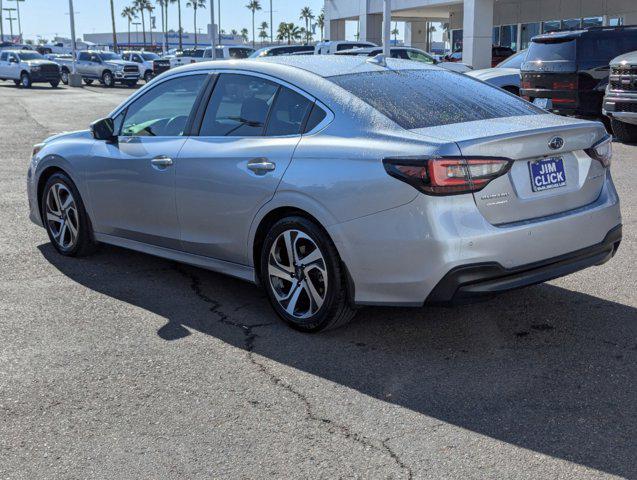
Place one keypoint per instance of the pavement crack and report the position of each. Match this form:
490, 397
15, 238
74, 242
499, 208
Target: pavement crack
310, 414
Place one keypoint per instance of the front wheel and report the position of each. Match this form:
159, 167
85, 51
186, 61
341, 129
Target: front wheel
25, 80
108, 80
65, 218
55, 83
303, 276
626, 132
148, 76
65, 77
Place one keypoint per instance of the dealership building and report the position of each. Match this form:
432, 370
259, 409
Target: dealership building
476, 25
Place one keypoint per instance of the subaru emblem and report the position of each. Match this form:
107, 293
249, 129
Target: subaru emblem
556, 143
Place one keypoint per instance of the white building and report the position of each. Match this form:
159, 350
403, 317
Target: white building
156, 39
476, 25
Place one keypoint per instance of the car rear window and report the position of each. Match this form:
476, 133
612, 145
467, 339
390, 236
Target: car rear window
428, 98
553, 51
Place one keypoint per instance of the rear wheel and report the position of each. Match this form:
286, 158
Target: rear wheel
17, 83
626, 132
65, 218
88, 81
55, 83
108, 80
303, 276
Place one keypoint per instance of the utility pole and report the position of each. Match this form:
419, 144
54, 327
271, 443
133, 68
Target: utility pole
17, 4
74, 80
213, 54
219, 21
11, 19
271, 26
1, 24
386, 28
163, 27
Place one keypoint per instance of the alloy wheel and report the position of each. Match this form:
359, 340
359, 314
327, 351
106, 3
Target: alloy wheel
297, 273
62, 216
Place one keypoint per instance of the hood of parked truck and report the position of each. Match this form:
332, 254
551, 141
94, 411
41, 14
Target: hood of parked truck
40, 62
627, 59
120, 63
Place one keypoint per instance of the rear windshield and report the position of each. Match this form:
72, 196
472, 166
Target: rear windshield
562, 51
30, 56
427, 98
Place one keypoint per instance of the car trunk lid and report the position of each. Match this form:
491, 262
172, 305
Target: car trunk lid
526, 141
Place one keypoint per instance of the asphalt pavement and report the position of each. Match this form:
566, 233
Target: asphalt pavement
123, 365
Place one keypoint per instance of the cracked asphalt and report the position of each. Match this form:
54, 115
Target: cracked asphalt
122, 365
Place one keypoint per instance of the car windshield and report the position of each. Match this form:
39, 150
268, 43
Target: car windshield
553, 51
109, 56
192, 53
30, 56
150, 56
428, 98
514, 61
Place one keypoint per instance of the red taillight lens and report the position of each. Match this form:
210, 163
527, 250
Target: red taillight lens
525, 84
447, 176
570, 85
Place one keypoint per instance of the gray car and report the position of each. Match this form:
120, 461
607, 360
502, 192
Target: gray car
505, 74
108, 68
335, 182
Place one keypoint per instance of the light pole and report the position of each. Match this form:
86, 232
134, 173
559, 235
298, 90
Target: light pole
219, 21
11, 19
386, 28
74, 79
213, 54
271, 26
1, 24
17, 4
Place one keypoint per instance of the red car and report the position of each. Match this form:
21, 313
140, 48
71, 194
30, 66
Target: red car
498, 54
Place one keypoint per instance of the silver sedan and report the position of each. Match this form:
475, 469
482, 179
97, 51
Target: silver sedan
335, 182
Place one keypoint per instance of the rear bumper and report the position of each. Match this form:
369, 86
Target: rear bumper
470, 282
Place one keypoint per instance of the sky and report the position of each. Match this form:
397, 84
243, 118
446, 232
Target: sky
49, 18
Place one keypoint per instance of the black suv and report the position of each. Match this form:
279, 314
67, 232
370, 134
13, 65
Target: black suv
567, 72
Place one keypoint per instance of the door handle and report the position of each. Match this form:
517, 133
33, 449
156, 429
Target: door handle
261, 165
161, 162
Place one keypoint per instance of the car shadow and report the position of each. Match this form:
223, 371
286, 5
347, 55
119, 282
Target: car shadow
35, 86
545, 368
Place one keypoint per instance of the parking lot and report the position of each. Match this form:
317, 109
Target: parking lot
122, 365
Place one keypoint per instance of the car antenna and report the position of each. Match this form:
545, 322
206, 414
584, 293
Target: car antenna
379, 60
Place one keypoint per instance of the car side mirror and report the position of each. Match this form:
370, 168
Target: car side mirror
13, 60
103, 129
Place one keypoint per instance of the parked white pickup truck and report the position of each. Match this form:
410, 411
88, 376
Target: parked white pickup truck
26, 67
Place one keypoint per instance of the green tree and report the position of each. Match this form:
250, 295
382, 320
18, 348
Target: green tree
307, 15
263, 31
195, 5
130, 14
253, 6
395, 32
320, 21
244, 34
289, 32
140, 7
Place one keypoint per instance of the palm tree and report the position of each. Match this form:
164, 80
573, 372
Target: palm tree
195, 4
288, 31
244, 34
113, 25
140, 6
262, 31
150, 9
320, 21
395, 31
253, 6
234, 32
181, 30
307, 15
130, 14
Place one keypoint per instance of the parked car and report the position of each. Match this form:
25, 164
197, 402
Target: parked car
335, 184
106, 67
505, 75
620, 102
277, 50
330, 47
150, 64
407, 53
567, 72
26, 67
205, 54
14, 46
54, 57
498, 54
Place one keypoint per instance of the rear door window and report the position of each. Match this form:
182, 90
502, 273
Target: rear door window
428, 98
238, 107
288, 113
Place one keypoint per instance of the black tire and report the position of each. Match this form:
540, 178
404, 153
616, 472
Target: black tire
108, 80
88, 81
131, 83
336, 309
25, 80
625, 132
64, 76
84, 243
17, 83
148, 76
55, 83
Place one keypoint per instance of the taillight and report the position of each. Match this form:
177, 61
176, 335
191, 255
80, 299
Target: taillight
602, 151
569, 85
447, 175
525, 84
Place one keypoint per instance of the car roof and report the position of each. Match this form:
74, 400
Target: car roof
589, 31
324, 66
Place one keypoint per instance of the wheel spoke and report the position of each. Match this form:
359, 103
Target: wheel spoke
56, 198
312, 257
278, 271
67, 202
313, 293
62, 234
72, 229
295, 298
52, 217
287, 237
